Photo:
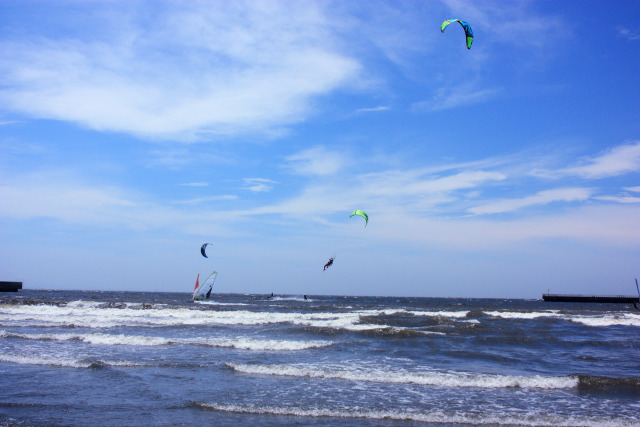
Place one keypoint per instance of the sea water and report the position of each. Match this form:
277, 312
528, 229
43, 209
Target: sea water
123, 358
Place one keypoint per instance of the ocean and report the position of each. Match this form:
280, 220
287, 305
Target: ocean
78, 358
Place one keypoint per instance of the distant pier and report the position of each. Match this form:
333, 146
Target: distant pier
609, 299
10, 286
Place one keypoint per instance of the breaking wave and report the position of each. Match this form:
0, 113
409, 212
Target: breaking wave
600, 320
46, 360
97, 315
529, 419
432, 378
84, 363
238, 343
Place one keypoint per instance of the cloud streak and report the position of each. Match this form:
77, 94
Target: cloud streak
259, 185
195, 184
316, 161
454, 97
614, 162
198, 72
541, 198
373, 109
428, 205
628, 33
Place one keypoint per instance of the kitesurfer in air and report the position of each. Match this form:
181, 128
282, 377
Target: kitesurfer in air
328, 264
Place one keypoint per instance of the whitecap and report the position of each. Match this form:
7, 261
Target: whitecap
94, 317
45, 360
431, 378
137, 340
522, 315
625, 319
533, 417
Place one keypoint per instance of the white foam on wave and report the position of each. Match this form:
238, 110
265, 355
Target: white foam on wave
44, 360
209, 302
297, 299
434, 378
66, 362
89, 316
448, 314
134, 340
84, 304
126, 364
105, 339
269, 345
602, 320
430, 332
622, 319
531, 418
523, 315
120, 304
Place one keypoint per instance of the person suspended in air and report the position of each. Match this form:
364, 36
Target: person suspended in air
328, 264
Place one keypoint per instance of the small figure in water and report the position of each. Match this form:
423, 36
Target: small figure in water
328, 264
305, 297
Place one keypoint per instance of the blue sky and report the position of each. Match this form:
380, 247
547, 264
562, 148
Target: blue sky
133, 132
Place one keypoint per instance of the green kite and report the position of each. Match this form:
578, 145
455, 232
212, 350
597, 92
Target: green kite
363, 214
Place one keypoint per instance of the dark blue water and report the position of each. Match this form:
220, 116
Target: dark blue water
125, 358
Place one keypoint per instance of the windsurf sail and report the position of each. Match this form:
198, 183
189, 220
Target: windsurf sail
203, 291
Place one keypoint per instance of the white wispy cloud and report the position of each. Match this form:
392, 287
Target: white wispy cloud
453, 97
373, 109
259, 185
422, 205
623, 197
389, 191
415, 182
613, 224
174, 157
540, 198
615, 161
8, 145
197, 71
195, 184
8, 122
619, 199
316, 161
73, 199
191, 71
203, 200
629, 33
65, 199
